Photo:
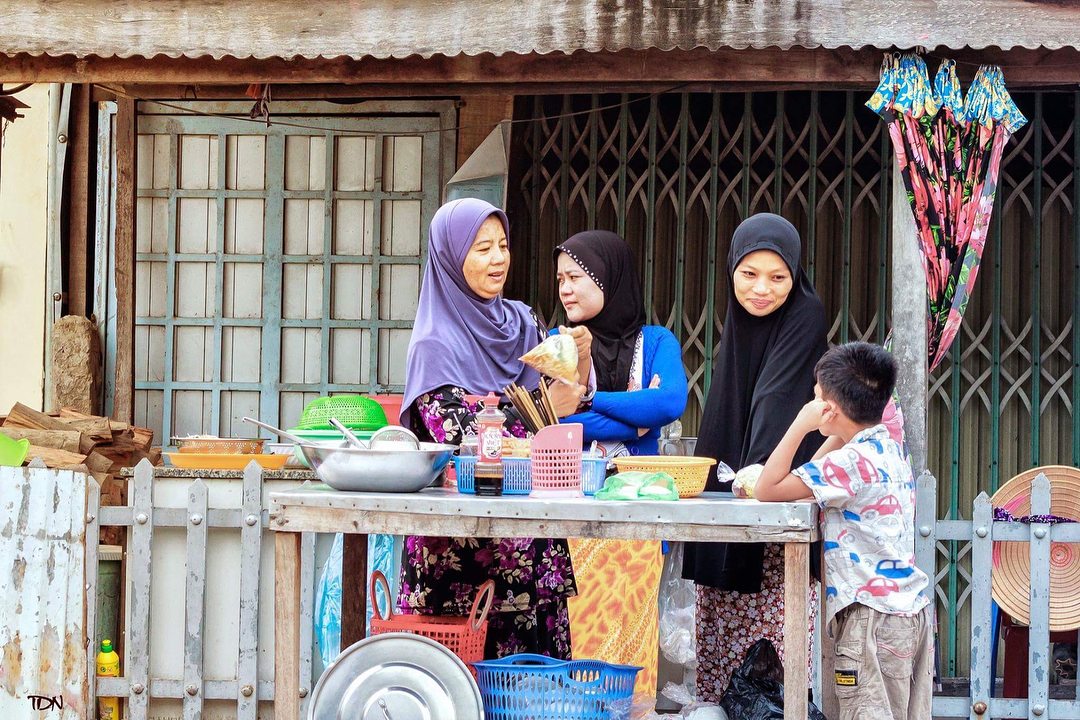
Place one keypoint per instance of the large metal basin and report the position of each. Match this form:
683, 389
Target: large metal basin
393, 470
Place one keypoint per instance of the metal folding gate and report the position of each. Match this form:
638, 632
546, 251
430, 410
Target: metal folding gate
675, 173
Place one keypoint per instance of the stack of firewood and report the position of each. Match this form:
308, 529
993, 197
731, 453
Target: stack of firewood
70, 440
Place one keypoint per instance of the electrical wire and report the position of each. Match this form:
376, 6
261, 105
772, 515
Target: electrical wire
284, 123
15, 90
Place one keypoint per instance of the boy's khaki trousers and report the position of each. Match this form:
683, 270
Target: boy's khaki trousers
883, 664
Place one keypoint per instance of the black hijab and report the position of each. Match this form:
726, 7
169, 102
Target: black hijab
606, 258
763, 376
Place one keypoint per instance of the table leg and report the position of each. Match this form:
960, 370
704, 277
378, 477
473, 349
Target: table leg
286, 626
796, 629
354, 573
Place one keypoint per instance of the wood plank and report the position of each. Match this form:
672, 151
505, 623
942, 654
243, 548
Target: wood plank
70, 413
124, 254
98, 463
140, 556
97, 429
90, 580
144, 437
54, 458
79, 230
1039, 659
477, 118
621, 71
796, 629
926, 524
307, 610
982, 675
58, 439
250, 557
709, 509
335, 520
286, 626
26, 417
354, 555
195, 600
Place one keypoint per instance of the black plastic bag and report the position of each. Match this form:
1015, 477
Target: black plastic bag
756, 690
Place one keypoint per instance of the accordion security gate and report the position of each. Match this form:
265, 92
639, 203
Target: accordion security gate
675, 173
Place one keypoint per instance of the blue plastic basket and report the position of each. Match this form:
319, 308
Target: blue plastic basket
517, 475
534, 687
593, 474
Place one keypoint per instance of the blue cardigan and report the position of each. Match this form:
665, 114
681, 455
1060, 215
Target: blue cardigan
617, 416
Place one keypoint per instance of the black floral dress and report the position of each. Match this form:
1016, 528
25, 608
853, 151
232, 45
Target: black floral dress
533, 578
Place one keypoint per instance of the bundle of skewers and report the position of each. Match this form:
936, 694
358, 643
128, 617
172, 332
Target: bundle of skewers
536, 410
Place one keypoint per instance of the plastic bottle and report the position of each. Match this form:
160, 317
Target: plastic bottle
108, 665
489, 471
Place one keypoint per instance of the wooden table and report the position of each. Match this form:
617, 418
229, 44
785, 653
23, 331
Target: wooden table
713, 517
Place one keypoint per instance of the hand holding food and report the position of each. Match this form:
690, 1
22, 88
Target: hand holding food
566, 399
556, 357
745, 481
583, 342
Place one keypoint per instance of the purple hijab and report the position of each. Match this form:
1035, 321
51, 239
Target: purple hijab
459, 338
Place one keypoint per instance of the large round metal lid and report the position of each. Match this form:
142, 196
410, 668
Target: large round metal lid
397, 676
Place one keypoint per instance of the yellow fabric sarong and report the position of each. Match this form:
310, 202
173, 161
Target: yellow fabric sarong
614, 617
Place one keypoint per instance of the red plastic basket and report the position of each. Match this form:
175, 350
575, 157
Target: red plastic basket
556, 459
463, 636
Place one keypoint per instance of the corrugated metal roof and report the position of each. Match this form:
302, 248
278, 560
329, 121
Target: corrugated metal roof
399, 28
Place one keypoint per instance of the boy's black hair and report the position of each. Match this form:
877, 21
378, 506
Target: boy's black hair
859, 377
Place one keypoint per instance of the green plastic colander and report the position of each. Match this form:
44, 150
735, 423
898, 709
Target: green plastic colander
353, 411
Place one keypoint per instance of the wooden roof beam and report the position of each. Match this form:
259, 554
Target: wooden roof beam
488, 74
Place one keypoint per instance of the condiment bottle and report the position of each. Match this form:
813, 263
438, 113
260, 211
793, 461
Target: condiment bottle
489, 470
108, 665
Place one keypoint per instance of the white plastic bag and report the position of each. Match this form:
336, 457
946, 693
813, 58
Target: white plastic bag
677, 608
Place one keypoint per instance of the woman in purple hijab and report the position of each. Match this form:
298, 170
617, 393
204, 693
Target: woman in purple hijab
466, 342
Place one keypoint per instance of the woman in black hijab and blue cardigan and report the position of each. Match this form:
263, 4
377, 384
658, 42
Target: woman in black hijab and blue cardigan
640, 387
774, 333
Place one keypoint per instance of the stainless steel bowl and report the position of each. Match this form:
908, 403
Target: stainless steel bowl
381, 470
682, 446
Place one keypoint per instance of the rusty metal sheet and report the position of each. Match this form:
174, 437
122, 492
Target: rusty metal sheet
43, 651
397, 28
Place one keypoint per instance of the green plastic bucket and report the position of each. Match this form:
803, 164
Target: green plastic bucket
13, 452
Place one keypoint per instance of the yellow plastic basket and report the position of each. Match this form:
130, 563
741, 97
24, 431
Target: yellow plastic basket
689, 473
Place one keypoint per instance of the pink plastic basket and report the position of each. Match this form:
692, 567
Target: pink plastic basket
556, 459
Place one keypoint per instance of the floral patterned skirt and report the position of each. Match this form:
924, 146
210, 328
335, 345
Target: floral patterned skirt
728, 623
533, 579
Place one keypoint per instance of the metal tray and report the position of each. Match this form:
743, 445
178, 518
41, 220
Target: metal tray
396, 676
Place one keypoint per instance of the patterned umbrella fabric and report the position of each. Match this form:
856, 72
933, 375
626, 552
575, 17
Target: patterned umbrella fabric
949, 150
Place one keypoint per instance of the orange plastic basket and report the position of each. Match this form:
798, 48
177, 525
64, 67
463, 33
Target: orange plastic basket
690, 473
463, 636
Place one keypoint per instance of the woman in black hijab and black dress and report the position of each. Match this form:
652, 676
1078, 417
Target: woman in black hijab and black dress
773, 335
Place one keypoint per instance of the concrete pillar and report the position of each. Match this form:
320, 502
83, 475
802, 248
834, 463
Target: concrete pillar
909, 321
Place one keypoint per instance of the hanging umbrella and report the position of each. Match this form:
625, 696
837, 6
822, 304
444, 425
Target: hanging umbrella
949, 151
